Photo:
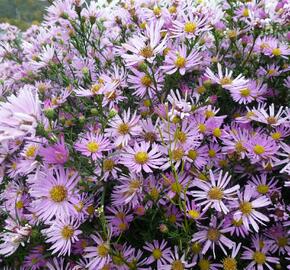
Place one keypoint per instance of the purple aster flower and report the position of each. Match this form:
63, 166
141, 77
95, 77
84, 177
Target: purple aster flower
212, 236
98, 255
140, 158
159, 253
176, 261
55, 154
179, 60
213, 194
62, 233
58, 264
54, 193
247, 208
226, 80
129, 190
35, 260
259, 256
121, 130
92, 145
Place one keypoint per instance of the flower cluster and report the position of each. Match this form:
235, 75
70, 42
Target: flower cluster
146, 135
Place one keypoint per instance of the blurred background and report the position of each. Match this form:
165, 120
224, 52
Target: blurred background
22, 13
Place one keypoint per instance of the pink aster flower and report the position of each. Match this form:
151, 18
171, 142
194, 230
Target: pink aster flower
54, 193
146, 47
253, 90
92, 145
213, 194
159, 253
261, 148
144, 83
212, 236
264, 185
259, 256
35, 260
270, 118
284, 155
176, 261
121, 130
129, 190
190, 25
225, 79
179, 60
61, 234
98, 255
247, 208
55, 154
19, 116
141, 158
58, 264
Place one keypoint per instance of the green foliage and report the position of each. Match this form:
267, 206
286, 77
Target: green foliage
22, 13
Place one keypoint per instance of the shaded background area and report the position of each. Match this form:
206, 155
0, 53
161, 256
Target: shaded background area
22, 13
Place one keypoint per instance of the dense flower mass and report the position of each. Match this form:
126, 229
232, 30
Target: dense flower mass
143, 135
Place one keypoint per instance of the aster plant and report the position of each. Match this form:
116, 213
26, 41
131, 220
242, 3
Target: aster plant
143, 135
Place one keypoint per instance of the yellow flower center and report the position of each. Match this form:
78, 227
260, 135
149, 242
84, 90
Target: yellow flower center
108, 165
259, 149
259, 257
190, 27
245, 92
192, 154
58, 193
217, 132
95, 88
157, 253
202, 128
93, 147
237, 223
246, 208
141, 157
103, 250
147, 52
176, 187
177, 265
262, 189
177, 154
90, 209
196, 248
229, 264
123, 128
271, 72
181, 136
180, 62
276, 135
146, 80
246, 12
215, 193
271, 120
193, 214
211, 153
30, 152
200, 89
204, 264
225, 81
154, 193
282, 241
67, 232
122, 226
157, 11
172, 9
19, 204
209, 114
172, 218
134, 186
276, 52
14, 165
239, 147
213, 234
